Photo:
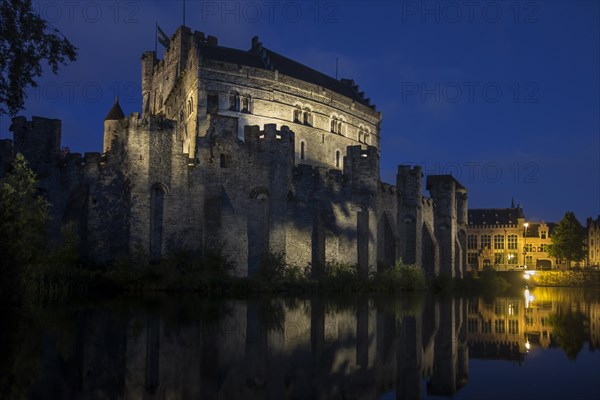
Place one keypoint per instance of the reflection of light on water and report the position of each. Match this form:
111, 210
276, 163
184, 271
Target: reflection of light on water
528, 298
527, 345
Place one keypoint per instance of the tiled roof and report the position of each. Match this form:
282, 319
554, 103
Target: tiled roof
260, 57
494, 216
115, 112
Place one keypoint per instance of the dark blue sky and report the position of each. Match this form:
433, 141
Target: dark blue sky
504, 95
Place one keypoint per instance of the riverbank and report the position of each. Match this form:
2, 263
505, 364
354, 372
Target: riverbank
211, 274
576, 278
63, 283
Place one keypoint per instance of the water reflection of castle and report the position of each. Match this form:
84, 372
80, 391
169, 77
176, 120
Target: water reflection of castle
299, 349
310, 351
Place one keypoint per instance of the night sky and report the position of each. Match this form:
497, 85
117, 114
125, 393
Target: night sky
504, 95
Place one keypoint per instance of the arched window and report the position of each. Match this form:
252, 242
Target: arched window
302, 150
234, 101
366, 138
307, 117
361, 134
247, 104
339, 127
334, 125
297, 115
337, 158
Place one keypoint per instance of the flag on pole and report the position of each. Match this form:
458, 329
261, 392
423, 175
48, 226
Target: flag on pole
162, 37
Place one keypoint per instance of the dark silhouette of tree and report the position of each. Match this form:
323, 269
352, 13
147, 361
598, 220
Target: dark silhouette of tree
23, 223
26, 40
568, 330
568, 240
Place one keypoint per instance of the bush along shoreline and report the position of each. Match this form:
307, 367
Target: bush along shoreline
584, 277
61, 276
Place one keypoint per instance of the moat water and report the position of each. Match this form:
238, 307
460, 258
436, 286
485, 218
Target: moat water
537, 344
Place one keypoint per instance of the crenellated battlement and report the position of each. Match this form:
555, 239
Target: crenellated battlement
269, 134
332, 176
247, 149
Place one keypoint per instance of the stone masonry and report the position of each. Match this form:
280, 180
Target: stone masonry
247, 151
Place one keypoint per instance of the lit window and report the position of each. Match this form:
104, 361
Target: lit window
472, 242
486, 242
499, 258
512, 242
498, 242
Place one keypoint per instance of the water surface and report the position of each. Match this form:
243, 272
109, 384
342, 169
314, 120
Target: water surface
538, 344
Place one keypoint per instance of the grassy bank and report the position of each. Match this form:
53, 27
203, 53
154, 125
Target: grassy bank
209, 272
575, 278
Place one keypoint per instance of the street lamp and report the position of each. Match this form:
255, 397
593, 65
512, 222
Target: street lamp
526, 225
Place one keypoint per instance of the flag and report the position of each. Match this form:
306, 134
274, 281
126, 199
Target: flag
162, 37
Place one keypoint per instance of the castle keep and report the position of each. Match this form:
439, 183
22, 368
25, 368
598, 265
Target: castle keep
252, 152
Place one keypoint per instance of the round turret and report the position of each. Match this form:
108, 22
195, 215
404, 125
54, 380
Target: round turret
111, 124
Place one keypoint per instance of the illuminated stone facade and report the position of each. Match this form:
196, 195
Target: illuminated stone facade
250, 152
593, 229
502, 239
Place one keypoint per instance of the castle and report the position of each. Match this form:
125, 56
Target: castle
252, 152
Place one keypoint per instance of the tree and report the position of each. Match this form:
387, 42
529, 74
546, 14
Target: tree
26, 40
568, 330
568, 240
23, 222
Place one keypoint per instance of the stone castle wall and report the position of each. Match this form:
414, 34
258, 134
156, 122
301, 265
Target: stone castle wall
186, 175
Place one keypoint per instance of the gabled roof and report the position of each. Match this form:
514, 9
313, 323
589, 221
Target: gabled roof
115, 112
533, 230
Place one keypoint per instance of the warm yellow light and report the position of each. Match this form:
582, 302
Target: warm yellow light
526, 224
526, 276
527, 345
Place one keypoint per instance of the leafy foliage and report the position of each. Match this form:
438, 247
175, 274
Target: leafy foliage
569, 332
23, 222
568, 240
26, 40
400, 276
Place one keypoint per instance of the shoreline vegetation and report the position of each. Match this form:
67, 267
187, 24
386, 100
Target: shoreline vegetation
61, 276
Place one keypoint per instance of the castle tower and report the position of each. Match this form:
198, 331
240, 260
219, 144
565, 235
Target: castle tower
39, 140
444, 190
111, 124
409, 182
149, 61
